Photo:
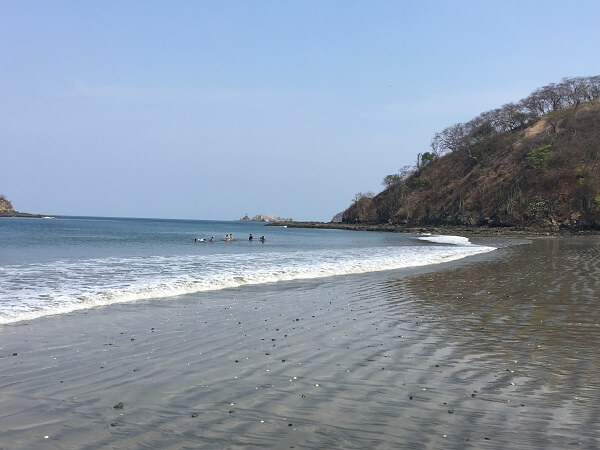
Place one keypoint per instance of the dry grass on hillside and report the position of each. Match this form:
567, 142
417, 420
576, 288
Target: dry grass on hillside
545, 175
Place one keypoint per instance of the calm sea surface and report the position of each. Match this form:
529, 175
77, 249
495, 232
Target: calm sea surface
54, 266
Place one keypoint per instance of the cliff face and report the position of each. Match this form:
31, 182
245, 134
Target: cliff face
543, 175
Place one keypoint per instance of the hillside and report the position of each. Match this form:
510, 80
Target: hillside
541, 172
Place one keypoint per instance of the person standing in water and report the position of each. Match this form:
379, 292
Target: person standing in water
250, 237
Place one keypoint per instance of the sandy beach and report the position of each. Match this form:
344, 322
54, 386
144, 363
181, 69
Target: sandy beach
494, 351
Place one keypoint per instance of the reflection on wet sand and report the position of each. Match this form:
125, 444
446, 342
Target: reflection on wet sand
524, 332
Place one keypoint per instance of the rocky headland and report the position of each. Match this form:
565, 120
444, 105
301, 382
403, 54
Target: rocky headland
7, 210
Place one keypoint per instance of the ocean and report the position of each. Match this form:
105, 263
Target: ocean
60, 265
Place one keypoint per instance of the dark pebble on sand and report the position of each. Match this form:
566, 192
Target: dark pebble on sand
283, 360
195, 414
118, 406
410, 397
290, 425
450, 411
231, 411
114, 424
236, 361
14, 354
303, 396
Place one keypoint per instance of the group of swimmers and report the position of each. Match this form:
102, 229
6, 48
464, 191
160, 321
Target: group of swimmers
262, 238
228, 238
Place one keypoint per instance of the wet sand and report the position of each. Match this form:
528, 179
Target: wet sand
495, 351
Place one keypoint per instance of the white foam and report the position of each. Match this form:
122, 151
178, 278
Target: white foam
36, 290
452, 240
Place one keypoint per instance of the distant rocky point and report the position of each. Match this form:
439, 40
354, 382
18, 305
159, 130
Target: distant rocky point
7, 210
5, 205
264, 218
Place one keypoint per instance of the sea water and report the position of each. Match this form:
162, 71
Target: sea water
60, 265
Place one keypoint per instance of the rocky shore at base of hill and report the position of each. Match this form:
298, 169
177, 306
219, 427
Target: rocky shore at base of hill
444, 229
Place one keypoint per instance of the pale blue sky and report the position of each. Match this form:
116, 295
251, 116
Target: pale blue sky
211, 109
